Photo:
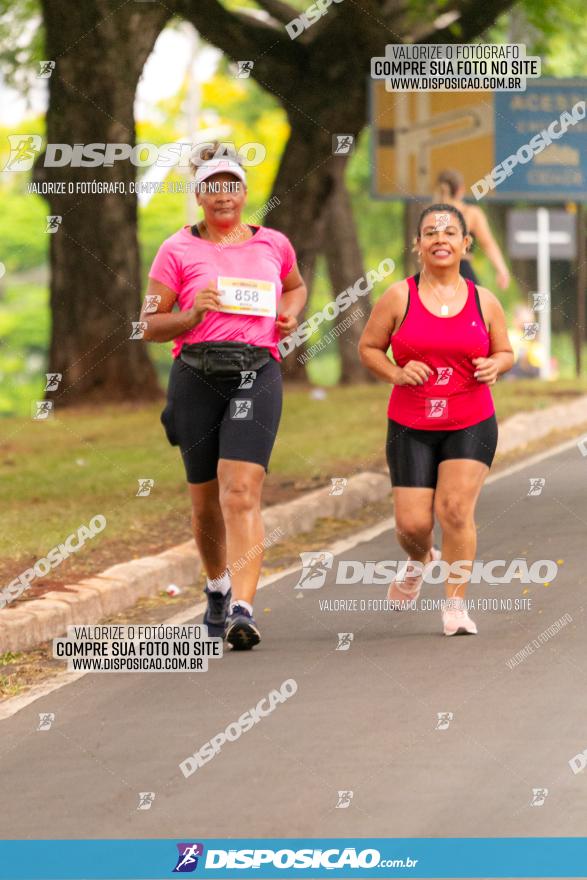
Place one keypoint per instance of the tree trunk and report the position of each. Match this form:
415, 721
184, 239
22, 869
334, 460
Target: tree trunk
304, 191
94, 254
412, 210
345, 267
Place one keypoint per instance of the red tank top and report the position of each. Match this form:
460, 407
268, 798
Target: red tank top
451, 398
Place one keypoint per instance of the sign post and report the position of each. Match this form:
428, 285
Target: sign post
542, 235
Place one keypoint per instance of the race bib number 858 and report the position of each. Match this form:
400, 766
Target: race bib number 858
246, 296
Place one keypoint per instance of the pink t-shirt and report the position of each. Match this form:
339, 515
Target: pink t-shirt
186, 264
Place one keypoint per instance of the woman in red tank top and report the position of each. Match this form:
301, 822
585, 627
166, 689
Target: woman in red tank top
449, 342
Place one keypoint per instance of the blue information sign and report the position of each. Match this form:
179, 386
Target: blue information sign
558, 171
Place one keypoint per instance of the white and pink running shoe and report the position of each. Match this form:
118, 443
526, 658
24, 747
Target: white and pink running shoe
455, 618
406, 588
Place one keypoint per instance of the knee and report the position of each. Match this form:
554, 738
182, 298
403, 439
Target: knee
452, 513
414, 528
239, 497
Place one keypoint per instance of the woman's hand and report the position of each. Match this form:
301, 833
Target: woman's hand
486, 370
286, 324
204, 300
414, 373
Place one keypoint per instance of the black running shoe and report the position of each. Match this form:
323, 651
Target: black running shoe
241, 630
215, 615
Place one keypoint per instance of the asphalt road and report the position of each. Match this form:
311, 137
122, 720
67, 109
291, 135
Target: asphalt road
362, 720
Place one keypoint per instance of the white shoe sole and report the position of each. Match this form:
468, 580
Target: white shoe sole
460, 630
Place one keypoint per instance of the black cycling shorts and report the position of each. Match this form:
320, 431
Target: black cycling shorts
413, 455
211, 418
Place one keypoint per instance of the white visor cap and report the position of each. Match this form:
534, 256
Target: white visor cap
219, 166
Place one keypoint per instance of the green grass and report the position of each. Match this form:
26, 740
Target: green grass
58, 474
24, 340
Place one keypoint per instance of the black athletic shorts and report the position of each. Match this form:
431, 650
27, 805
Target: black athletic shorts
211, 418
413, 455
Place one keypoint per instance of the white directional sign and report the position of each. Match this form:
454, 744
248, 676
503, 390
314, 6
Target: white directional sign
542, 235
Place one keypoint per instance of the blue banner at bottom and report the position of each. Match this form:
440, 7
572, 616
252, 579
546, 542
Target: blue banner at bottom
382, 858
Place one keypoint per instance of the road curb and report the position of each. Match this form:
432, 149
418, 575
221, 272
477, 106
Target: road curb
121, 586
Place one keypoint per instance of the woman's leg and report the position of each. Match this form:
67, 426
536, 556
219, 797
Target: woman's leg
208, 527
240, 484
459, 484
414, 521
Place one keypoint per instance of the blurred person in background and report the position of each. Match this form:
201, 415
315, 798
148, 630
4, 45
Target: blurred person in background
450, 188
528, 350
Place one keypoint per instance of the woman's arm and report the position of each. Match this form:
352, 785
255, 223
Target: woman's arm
482, 232
375, 341
293, 299
163, 324
501, 355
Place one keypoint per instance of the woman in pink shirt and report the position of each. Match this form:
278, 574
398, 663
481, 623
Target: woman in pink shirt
449, 341
238, 291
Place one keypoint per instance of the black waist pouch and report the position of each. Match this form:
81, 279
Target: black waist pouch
224, 359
